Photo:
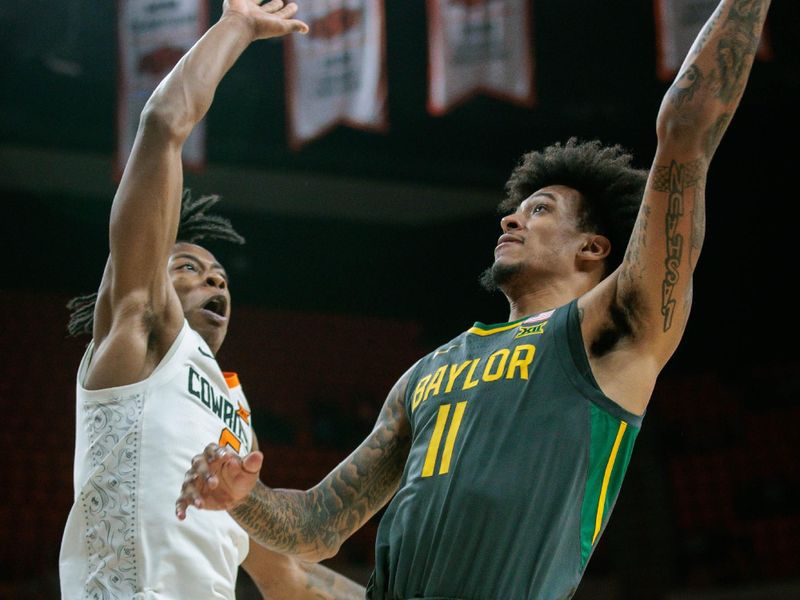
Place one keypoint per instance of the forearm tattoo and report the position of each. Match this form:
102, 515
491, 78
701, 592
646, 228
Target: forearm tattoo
737, 46
722, 55
318, 520
686, 86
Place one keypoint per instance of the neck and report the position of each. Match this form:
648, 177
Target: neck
214, 343
531, 300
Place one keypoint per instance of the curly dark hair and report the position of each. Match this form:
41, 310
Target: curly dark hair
195, 225
611, 187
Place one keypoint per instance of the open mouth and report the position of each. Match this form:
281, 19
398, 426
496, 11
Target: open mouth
217, 305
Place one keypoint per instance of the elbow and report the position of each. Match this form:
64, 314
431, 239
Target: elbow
679, 130
318, 553
329, 552
161, 119
685, 138
685, 131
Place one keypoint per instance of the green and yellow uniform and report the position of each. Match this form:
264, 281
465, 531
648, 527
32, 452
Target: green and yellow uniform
516, 462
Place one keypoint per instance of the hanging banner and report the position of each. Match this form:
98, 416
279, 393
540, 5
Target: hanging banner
153, 35
479, 47
677, 24
336, 73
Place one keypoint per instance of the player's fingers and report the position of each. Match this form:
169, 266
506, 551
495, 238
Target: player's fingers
224, 455
191, 477
287, 12
297, 26
187, 498
180, 509
210, 451
272, 6
252, 463
183, 504
199, 466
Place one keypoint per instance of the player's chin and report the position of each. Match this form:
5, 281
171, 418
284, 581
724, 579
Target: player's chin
504, 271
212, 330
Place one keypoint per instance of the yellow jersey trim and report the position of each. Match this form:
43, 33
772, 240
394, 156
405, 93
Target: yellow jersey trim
606, 477
484, 332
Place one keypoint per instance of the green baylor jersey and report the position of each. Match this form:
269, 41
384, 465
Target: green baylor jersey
516, 462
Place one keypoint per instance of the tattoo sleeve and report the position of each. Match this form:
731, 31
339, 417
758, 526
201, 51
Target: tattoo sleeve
668, 235
718, 66
314, 523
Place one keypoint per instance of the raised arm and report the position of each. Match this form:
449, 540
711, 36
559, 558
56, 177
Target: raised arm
649, 297
694, 115
138, 312
310, 524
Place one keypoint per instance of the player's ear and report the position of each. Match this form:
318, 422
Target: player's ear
594, 247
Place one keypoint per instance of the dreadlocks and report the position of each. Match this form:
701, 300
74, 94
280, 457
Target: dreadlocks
195, 224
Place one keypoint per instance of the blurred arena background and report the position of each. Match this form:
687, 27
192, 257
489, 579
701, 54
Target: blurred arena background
363, 254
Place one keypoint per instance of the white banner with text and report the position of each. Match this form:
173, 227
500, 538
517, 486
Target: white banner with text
479, 47
336, 73
152, 37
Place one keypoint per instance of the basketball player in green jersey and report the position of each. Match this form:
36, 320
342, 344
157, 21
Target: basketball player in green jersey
503, 451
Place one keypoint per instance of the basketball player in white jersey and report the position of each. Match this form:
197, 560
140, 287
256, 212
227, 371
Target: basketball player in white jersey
149, 389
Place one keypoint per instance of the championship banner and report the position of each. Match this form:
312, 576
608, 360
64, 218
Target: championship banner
336, 73
479, 47
153, 35
677, 24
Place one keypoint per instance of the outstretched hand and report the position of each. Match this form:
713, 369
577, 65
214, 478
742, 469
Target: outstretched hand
271, 19
219, 479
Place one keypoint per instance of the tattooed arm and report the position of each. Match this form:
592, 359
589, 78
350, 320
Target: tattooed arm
651, 292
281, 577
309, 524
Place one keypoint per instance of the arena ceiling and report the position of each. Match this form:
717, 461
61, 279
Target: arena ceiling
594, 77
